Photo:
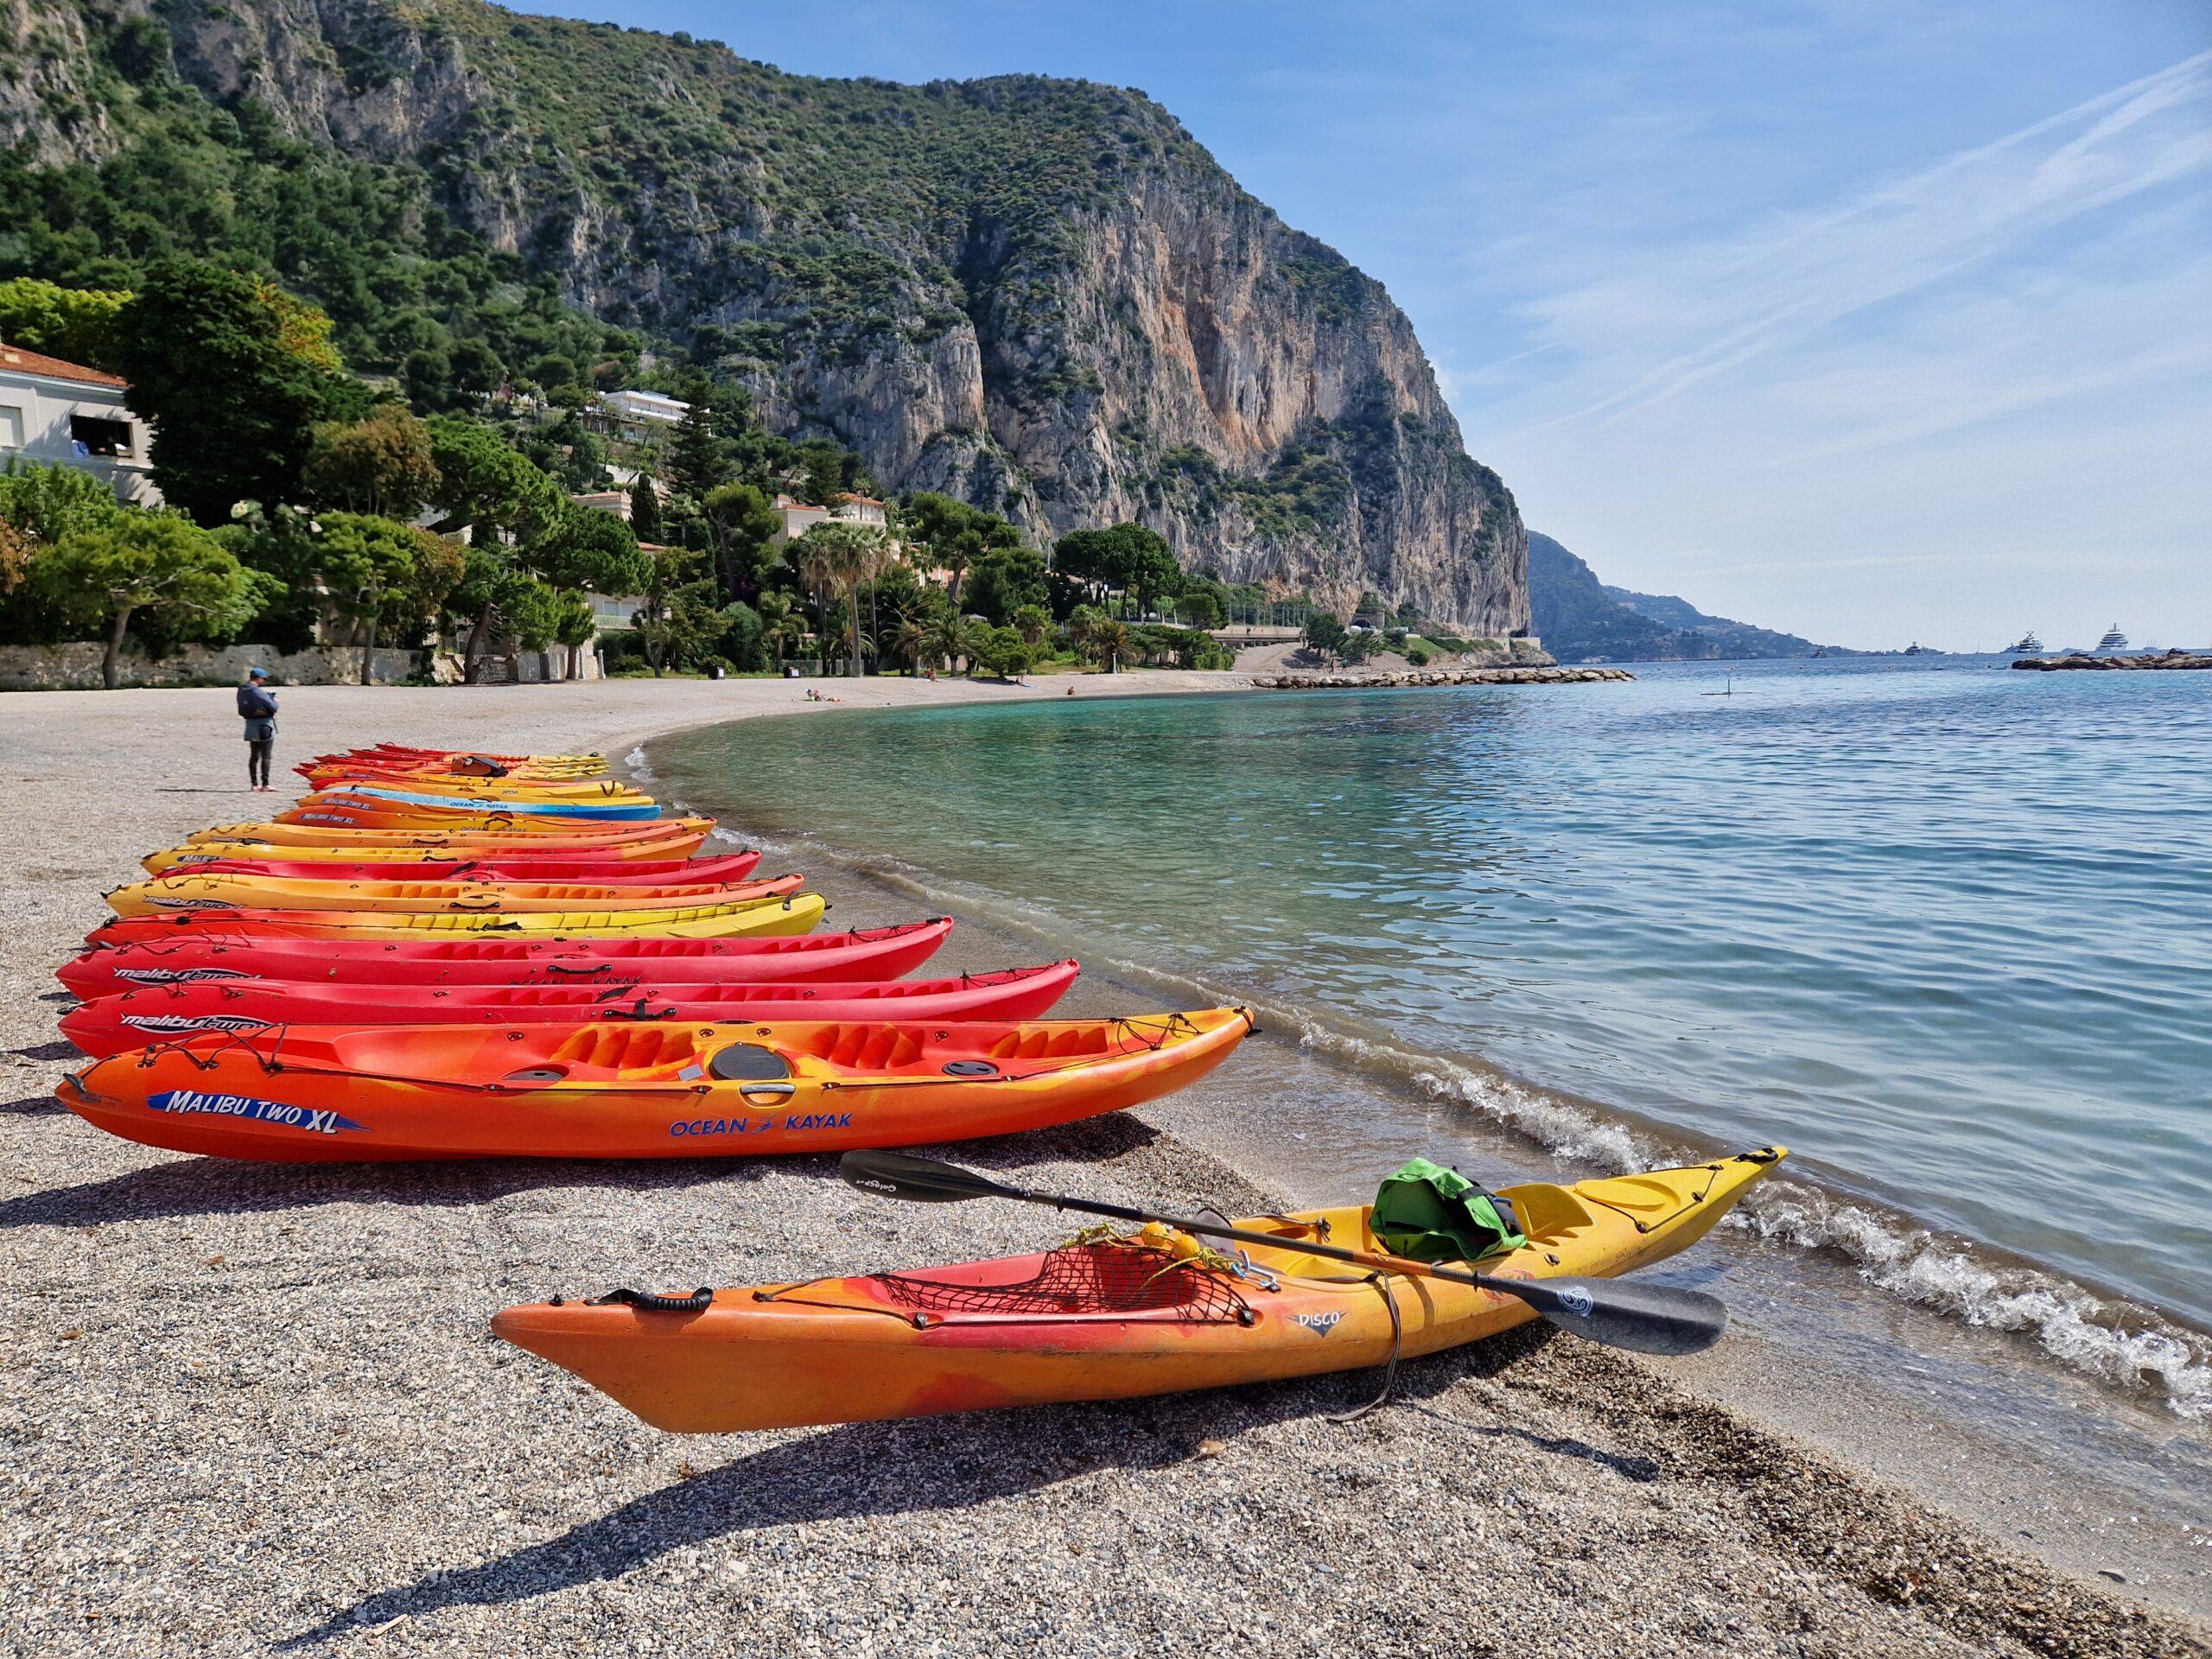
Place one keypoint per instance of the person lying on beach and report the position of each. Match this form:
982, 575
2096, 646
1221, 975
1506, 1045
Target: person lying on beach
257, 708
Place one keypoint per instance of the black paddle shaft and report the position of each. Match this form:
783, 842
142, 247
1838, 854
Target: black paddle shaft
1650, 1318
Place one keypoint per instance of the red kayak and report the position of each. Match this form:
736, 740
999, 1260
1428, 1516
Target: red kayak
862, 953
115, 1024
656, 871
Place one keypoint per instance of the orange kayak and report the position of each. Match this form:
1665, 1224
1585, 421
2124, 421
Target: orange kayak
618, 1088
190, 891
1145, 1313
655, 838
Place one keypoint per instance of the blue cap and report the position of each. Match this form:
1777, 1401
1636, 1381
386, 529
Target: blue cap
257, 673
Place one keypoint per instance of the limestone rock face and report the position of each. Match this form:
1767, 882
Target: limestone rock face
1042, 296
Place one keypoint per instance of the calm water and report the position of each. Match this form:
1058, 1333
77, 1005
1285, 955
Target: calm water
1944, 932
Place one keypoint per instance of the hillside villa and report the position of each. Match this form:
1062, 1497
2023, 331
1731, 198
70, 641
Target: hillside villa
52, 410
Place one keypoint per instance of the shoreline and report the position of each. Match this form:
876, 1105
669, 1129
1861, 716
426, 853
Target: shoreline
255, 1407
1946, 1412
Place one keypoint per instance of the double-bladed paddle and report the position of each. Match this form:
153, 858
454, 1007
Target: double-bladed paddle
1649, 1318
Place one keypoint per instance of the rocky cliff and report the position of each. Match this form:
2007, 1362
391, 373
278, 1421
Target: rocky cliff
1581, 620
1042, 296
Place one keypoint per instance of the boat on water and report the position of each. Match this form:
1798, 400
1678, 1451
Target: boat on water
2026, 645
1916, 648
2114, 640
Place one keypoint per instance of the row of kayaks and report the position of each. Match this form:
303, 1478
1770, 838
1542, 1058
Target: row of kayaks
442, 954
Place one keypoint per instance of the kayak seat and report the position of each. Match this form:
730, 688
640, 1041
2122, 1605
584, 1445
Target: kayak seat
619, 1048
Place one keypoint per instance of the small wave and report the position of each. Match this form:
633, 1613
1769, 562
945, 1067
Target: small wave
636, 762
2114, 1341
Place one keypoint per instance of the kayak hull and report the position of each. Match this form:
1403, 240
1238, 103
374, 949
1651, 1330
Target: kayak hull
660, 838
861, 953
500, 868
310, 1094
202, 892
796, 913
114, 1025
864, 1350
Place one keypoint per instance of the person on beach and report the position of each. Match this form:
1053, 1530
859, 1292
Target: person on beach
257, 708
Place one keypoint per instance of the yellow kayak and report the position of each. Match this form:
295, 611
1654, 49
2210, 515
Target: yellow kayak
1151, 1312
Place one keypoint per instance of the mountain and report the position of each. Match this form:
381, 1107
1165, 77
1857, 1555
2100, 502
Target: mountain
1582, 620
1042, 296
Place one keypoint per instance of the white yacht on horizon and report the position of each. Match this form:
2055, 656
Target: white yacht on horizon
2026, 645
2114, 640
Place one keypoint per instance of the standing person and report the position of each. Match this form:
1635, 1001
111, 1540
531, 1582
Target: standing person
257, 708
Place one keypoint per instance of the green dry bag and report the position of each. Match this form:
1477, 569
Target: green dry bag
1429, 1213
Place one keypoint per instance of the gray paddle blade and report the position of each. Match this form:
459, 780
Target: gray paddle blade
1621, 1313
923, 1180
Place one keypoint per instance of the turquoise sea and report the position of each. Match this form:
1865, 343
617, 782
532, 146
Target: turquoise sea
1944, 929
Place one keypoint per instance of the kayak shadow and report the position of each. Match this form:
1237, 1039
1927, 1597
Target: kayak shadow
187, 1186
926, 1465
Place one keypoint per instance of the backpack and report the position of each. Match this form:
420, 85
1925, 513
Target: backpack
1428, 1213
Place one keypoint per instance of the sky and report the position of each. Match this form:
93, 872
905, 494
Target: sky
1875, 321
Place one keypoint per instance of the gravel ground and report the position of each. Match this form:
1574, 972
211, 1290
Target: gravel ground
257, 1410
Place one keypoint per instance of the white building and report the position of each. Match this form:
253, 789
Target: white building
635, 416
800, 517
51, 410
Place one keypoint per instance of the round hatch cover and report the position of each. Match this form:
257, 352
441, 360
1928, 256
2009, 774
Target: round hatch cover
748, 1063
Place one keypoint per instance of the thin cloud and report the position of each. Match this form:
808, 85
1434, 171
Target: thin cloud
1722, 305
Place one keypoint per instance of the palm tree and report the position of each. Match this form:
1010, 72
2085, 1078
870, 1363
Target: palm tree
844, 556
781, 619
948, 639
908, 640
1031, 622
1108, 637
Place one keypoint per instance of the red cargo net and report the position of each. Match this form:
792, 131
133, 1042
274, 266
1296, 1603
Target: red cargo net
1104, 1279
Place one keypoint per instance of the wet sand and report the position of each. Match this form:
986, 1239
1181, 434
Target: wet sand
256, 1409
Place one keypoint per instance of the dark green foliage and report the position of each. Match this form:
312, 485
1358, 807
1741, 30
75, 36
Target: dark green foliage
232, 406
1129, 558
413, 294
1002, 581
645, 511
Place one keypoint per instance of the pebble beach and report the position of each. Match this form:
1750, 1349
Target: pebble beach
257, 1409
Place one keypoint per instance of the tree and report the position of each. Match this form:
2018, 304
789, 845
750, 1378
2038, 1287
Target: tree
1003, 581
1003, 653
1325, 632
495, 596
645, 510
1129, 557
950, 536
1031, 622
1200, 609
909, 638
378, 572
842, 556
698, 457
678, 618
229, 372
103, 574
381, 465
1107, 639
781, 623
49, 503
485, 483
583, 549
949, 639
742, 523
75, 324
